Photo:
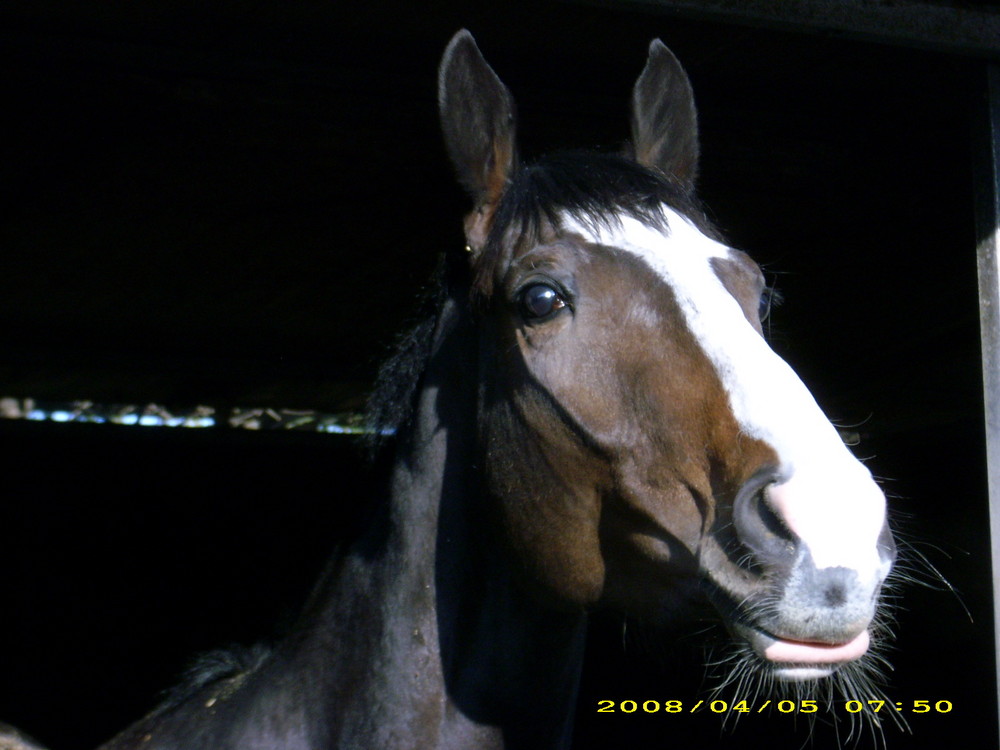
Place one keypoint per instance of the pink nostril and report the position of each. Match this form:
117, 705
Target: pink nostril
759, 526
837, 513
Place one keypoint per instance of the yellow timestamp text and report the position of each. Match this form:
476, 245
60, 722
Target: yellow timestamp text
653, 706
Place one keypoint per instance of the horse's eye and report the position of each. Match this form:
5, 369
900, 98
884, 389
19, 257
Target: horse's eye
540, 301
769, 299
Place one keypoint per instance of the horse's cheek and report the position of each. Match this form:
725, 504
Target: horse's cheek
574, 575
549, 519
555, 538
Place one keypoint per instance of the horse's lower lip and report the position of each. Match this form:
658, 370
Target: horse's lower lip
798, 661
797, 652
804, 653
791, 659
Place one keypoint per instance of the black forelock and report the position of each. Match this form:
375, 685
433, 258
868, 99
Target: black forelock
595, 188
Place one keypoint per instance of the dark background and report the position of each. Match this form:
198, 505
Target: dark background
237, 204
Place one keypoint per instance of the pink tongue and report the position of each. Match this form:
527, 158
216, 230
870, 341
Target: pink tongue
817, 653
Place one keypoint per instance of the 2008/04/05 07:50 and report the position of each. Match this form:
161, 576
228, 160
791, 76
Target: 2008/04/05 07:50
785, 706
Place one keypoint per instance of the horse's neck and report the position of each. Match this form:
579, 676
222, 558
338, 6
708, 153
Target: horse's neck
434, 644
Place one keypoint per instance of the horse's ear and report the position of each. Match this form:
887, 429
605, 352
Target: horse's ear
664, 119
477, 116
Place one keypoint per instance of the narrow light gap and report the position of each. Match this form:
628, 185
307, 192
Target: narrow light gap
196, 417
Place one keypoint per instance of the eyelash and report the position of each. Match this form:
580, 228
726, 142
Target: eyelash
770, 298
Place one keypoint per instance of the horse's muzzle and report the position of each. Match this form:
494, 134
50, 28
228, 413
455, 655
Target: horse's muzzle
808, 617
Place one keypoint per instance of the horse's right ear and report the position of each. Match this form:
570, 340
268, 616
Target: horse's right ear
477, 116
664, 119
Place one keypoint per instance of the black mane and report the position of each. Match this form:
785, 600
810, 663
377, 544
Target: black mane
595, 188
391, 401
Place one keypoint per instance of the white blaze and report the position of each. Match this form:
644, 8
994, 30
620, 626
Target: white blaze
830, 500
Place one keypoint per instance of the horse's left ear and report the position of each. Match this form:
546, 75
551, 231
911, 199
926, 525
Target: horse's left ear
477, 117
664, 119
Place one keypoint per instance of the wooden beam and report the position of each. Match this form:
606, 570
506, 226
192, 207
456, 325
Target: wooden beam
947, 27
988, 252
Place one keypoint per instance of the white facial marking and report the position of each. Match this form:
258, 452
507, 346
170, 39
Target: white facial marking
830, 500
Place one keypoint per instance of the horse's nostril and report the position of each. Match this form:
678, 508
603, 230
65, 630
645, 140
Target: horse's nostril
886, 545
772, 521
759, 526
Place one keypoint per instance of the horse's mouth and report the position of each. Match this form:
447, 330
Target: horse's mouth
787, 659
796, 661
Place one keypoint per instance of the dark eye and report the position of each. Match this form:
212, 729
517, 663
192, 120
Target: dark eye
769, 299
540, 301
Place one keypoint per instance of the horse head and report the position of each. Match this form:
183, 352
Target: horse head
638, 436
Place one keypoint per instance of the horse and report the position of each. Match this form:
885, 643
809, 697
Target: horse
587, 417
